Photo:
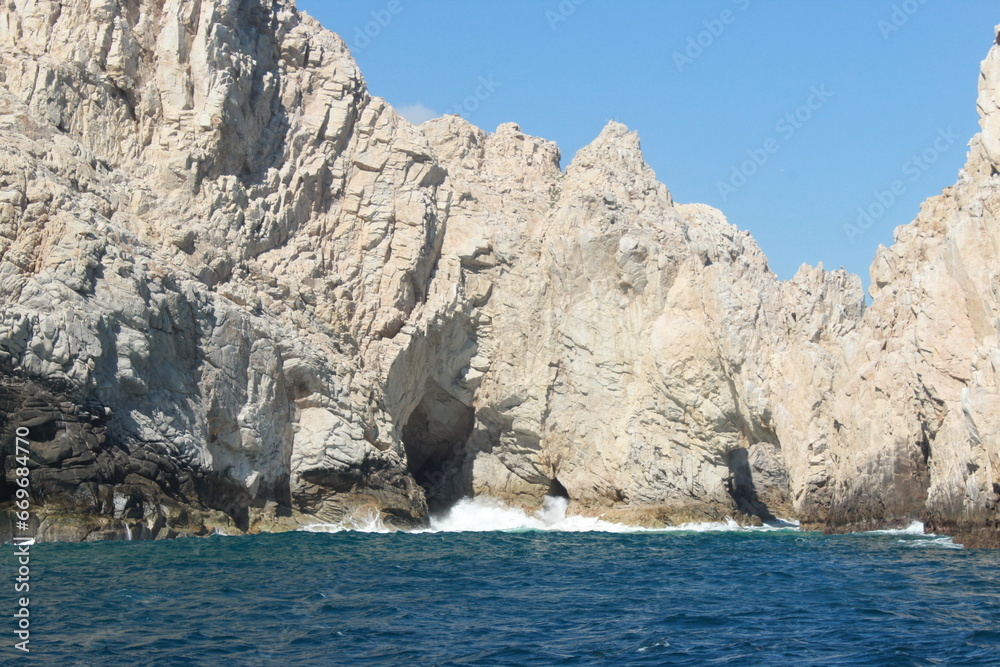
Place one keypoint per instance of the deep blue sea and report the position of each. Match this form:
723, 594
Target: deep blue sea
699, 596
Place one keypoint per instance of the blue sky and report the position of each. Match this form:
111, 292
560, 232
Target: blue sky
791, 116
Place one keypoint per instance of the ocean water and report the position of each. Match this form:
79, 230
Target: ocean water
488, 585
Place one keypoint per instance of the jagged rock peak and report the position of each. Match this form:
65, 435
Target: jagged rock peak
989, 103
455, 141
616, 148
612, 168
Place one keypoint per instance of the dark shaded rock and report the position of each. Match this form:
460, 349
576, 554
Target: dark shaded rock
84, 483
32, 418
51, 453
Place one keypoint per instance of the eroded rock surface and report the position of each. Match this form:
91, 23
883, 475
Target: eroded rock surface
239, 293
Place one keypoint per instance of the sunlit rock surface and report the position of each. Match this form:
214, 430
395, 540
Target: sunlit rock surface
239, 293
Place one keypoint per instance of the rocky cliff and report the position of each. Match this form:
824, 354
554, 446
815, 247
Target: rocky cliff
916, 399
237, 292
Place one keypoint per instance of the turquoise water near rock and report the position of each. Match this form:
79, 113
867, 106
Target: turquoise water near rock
525, 597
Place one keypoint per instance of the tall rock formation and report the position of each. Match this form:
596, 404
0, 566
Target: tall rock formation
916, 395
237, 292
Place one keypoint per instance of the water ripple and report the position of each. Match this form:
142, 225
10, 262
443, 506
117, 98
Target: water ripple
516, 598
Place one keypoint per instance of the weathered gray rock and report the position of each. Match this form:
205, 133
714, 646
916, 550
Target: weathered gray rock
266, 299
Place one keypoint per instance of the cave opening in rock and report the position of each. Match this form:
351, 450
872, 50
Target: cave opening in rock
435, 438
557, 490
741, 487
555, 504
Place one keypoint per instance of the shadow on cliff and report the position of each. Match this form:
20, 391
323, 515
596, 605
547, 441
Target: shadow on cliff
435, 437
741, 487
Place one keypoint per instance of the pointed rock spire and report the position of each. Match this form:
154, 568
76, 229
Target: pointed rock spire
989, 103
616, 148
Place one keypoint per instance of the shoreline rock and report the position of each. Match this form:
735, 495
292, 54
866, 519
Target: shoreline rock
239, 291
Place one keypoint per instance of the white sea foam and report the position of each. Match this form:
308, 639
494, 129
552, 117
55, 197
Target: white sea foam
362, 521
931, 542
915, 537
484, 514
915, 528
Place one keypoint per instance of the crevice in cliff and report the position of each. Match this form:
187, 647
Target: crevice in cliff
741, 487
435, 438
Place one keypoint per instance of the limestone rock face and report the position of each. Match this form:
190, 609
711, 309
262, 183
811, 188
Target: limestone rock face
989, 105
916, 394
239, 293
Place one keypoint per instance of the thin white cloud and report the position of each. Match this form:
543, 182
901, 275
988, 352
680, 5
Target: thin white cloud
417, 113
